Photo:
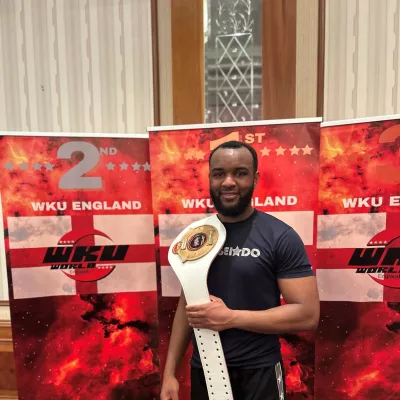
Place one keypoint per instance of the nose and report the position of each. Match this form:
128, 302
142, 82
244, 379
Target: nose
228, 182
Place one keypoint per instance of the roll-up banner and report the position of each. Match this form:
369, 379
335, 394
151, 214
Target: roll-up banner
79, 240
288, 152
358, 346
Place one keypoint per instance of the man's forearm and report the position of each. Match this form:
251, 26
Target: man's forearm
179, 340
283, 319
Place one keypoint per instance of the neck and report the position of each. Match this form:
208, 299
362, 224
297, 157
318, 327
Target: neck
246, 214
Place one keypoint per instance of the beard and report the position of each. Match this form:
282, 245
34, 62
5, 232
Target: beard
233, 210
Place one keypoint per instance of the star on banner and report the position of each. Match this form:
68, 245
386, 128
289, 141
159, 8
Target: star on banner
110, 166
8, 166
190, 154
136, 166
146, 166
294, 150
123, 166
194, 154
37, 167
200, 154
49, 166
265, 152
280, 150
23, 165
307, 150
372, 243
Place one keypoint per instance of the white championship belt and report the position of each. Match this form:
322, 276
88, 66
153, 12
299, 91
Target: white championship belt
190, 256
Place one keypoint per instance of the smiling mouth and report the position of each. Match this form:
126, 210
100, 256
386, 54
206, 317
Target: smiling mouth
229, 196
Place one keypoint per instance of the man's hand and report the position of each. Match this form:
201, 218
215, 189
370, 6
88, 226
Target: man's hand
214, 315
170, 389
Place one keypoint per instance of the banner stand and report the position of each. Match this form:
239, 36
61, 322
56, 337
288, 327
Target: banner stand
80, 254
179, 157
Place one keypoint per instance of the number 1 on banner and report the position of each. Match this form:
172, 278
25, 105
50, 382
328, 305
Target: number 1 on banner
228, 138
74, 179
389, 172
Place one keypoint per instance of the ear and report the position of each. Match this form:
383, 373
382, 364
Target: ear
256, 178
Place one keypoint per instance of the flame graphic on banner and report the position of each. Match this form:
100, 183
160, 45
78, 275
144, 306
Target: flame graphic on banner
351, 157
358, 351
110, 349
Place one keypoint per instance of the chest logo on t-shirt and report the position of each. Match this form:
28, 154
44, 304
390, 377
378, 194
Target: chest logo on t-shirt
239, 252
196, 243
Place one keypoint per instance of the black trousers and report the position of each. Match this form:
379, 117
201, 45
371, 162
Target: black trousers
266, 383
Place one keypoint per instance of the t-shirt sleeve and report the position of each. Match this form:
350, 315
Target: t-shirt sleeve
291, 256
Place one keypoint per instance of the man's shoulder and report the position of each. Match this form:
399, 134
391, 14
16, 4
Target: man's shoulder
272, 223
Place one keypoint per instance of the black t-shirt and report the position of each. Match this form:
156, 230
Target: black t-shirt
257, 252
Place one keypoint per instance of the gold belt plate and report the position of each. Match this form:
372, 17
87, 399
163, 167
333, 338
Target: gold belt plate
196, 243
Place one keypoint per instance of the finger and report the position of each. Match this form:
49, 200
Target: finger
200, 313
171, 395
194, 314
213, 298
196, 321
198, 307
174, 396
192, 309
196, 325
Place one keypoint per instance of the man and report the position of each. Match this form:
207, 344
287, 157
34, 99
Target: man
245, 288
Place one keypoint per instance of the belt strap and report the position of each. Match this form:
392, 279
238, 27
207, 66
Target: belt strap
190, 256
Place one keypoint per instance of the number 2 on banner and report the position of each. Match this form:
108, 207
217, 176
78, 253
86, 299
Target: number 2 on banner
74, 179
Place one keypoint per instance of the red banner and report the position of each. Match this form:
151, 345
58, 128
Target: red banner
84, 264
179, 159
81, 264
358, 346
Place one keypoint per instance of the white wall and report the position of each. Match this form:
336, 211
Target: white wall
81, 65
76, 65
362, 58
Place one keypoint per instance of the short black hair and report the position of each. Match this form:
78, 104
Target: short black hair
234, 144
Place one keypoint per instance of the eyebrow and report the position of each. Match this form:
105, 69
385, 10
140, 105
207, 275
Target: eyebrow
236, 169
242, 168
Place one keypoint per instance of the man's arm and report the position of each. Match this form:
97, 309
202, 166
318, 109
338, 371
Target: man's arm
299, 313
179, 340
297, 285
299, 290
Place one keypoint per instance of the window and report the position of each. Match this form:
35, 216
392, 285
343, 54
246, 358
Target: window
233, 59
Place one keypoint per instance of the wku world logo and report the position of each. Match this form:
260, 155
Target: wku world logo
81, 261
381, 257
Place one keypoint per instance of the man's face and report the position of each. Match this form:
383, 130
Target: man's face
232, 180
